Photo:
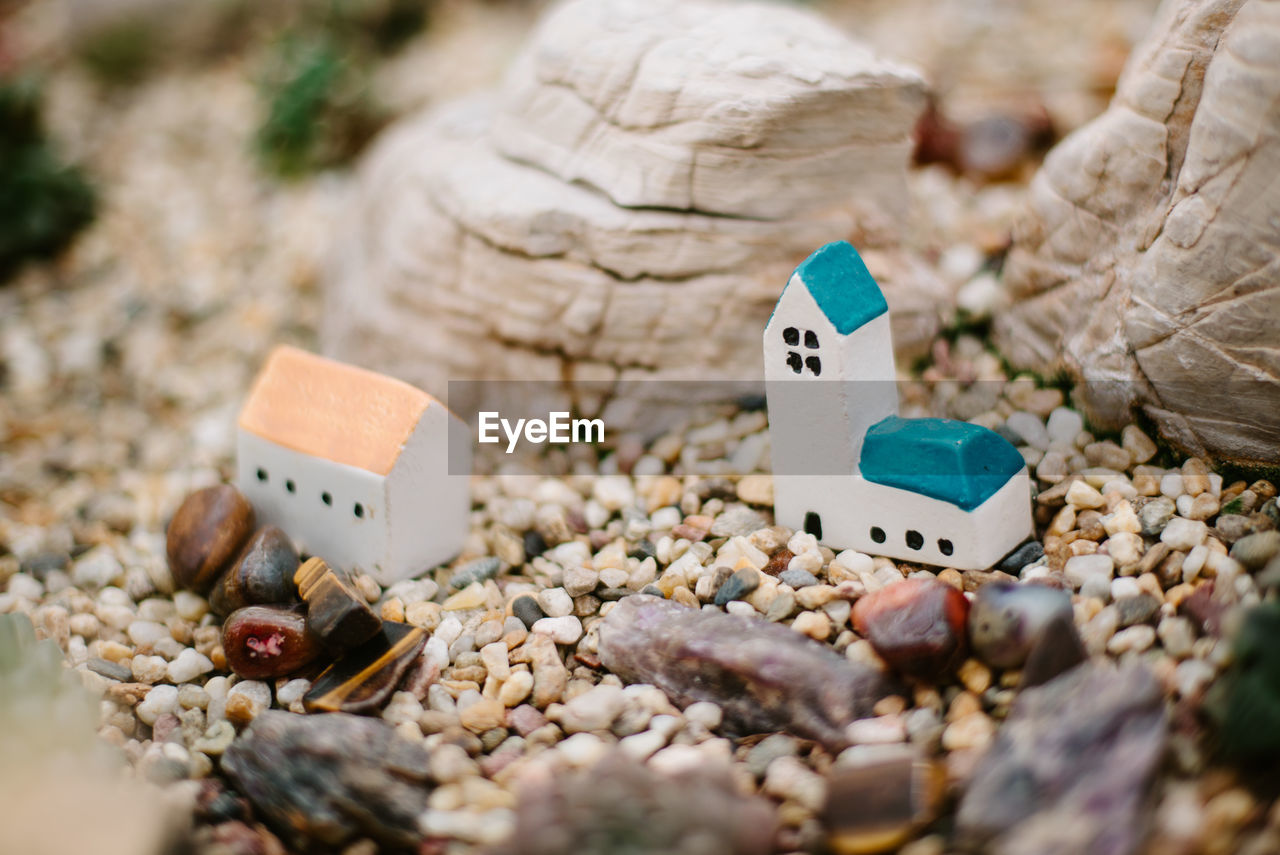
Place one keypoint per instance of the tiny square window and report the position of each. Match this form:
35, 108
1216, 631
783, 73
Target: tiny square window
791, 336
814, 364
793, 359
810, 339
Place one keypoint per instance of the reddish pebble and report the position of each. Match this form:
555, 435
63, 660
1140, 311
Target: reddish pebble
206, 534
916, 625
261, 642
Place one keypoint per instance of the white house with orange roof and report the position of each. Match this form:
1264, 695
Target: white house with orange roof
358, 468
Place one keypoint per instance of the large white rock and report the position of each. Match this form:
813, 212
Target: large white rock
461, 262
746, 109
1150, 264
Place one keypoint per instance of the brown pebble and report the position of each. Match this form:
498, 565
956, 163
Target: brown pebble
261, 575
205, 535
875, 807
366, 676
1058, 649
262, 642
916, 625
336, 612
778, 561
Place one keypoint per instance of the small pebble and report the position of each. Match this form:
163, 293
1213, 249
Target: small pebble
526, 608
737, 586
188, 665
159, 701
1184, 534
917, 626
205, 535
565, 629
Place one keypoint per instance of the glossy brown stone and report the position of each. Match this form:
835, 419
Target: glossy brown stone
261, 642
916, 625
365, 677
335, 610
263, 574
206, 534
1007, 619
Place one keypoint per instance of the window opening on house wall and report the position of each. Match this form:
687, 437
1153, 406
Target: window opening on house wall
811, 339
327, 498
813, 524
915, 539
262, 475
944, 546
793, 360
290, 486
877, 534
791, 336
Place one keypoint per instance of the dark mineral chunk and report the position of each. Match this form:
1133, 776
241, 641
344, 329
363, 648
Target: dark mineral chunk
916, 625
621, 806
1245, 704
475, 571
1006, 620
1071, 768
335, 610
205, 535
1137, 608
765, 677
738, 585
263, 574
261, 642
1028, 553
1056, 649
527, 609
877, 805
366, 676
323, 780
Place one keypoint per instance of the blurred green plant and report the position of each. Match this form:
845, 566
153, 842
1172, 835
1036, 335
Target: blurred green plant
122, 51
1244, 705
319, 112
44, 201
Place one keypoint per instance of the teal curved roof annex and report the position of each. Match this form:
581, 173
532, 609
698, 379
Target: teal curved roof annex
957, 462
842, 286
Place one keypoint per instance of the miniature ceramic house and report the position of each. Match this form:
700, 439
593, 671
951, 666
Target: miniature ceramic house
846, 467
354, 466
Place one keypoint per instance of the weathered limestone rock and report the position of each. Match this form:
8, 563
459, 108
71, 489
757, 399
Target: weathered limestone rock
641, 228
739, 109
1150, 264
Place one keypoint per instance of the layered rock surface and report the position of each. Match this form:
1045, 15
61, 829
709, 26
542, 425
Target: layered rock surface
1149, 266
631, 203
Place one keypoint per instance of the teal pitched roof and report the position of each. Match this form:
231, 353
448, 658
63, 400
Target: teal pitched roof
842, 286
956, 462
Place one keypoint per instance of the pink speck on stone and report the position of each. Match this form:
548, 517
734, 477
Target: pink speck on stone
269, 646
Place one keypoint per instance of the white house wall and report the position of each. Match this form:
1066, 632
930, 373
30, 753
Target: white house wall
430, 508
816, 424
850, 506
350, 531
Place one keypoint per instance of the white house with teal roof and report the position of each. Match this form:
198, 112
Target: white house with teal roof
847, 468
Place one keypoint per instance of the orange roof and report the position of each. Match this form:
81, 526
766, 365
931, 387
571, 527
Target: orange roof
332, 410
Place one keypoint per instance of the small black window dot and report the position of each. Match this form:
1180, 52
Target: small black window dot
813, 524
359, 511
877, 534
810, 339
326, 498
945, 547
814, 364
793, 359
262, 475
915, 539
290, 486
791, 336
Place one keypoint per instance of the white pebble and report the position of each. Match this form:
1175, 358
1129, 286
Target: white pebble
1184, 534
292, 691
97, 568
643, 745
159, 701
145, 633
566, 629
1171, 484
449, 630
1081, 495
705, 713
1079, 568
494, 658
555, 602
149, 669
190, 606
1125, 548
1134, 638
594, 709
1064, 426
188, 665
28, 587
582, 749
1125, 586
789, 779
1030, 428
856, 562
255, 690
1194, 563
